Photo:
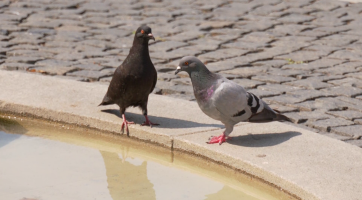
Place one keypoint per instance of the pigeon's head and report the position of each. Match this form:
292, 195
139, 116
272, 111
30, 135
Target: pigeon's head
189, 64
144, 32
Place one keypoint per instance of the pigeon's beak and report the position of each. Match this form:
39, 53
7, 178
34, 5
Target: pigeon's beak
150, 36
178, 69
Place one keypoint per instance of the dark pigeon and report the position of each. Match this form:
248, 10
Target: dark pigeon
224, 100
134, 79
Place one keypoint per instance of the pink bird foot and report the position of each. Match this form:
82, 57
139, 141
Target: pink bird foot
218, 139
148, 122
125, 124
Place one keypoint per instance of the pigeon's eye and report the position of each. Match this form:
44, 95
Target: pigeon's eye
142, 31
186, 63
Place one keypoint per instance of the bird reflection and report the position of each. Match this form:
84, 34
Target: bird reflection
126, 180
229, 193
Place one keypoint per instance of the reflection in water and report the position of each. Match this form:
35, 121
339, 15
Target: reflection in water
10, 126
134, 178
229, 193
125, 180
71, 165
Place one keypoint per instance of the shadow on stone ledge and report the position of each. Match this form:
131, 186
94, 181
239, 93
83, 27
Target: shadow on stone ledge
165, 122
262, 140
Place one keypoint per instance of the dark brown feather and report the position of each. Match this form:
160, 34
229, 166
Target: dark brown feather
134, 79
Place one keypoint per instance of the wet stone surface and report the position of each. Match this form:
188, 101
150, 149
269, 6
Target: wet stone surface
304, 57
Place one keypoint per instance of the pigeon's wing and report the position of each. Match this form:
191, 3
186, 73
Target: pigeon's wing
116, 87
154, 81
231, 100
235, 103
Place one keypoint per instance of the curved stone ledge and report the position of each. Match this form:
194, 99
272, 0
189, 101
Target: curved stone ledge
305, 164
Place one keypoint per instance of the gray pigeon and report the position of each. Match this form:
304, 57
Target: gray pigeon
224, 100
134, 79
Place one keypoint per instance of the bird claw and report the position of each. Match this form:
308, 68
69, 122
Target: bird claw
149, 123
125, 124
217, 139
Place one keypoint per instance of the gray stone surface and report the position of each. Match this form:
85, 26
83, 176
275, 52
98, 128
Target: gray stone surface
352, 131
327, 124
269, 47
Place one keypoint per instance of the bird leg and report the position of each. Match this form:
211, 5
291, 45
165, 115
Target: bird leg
148, 122
218, 139
125, 123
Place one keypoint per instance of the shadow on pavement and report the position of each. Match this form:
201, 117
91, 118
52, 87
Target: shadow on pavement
262, 140
163, 121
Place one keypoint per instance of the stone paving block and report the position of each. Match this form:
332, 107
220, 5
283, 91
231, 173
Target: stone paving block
353, 103
257, 37
208, 25
168, 45
251, 46
355, 142
175, 54
222, 65
296, 19
23, 59
283, 109
346, 54
358, 121
303, 56
89, 74
327, 124
308, 94
284, 99
55, 63
69, 56
91, 67
280, 88
313, 33
347, 114
289, 45
341, 69
354, 131
164, 68
326, 50
29, 53
225, 35
182, 81
271, 63
221, 54
337, 136
310, 83
247, 83
352, 82
281, 72
261, 25
185, 36
16, 66
301, 117
273, 78
343, 91
320, 105
330, 42
291, 29
264, 93
266, 9
52, 70
247, 72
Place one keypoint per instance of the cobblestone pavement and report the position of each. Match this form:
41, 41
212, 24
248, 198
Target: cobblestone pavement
302, 56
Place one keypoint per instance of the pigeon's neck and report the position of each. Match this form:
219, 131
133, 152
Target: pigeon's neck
140, 46
202, 79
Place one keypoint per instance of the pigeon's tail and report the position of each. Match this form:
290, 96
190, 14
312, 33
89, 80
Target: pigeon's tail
281, 117
268, 115
106, 101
